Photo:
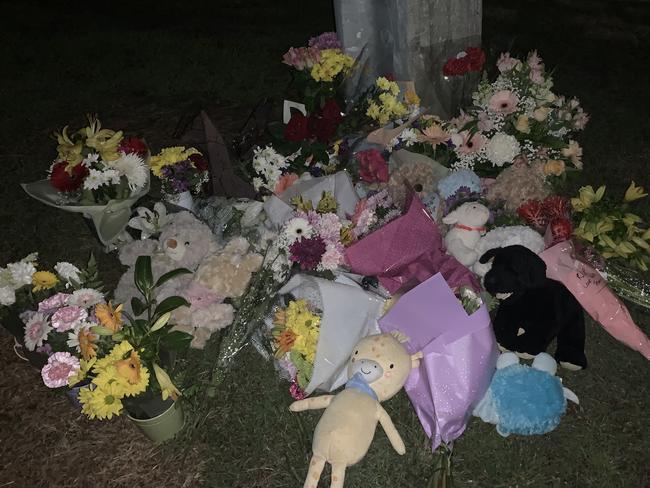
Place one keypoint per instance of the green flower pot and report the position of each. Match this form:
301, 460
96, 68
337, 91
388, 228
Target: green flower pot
162, 427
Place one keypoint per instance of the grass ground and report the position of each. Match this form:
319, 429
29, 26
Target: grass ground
143, 65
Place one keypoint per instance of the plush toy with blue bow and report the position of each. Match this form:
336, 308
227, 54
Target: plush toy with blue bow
378, 369
522, 399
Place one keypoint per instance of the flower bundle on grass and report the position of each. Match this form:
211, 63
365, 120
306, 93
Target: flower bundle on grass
96, 165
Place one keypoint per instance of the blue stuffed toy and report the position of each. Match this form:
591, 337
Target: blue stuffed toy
522, 399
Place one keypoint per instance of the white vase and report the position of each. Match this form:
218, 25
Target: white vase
184, 200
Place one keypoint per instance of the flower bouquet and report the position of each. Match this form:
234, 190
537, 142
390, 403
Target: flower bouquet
182, 173
97, 172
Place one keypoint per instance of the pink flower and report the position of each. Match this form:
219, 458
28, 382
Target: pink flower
67, 318
506, 63
503, 101
358, 210
535, 62
372, 166
302, 57
60, 366
536, 77
467, 143
333, 256
296, 392
462, 120
329, 227
55, 301
484, 122
36, 330
285, 181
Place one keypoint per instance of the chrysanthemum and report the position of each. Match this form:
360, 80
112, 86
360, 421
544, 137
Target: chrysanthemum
102, 402
86, 298
133, 167
44, 280
80, 375
36, 331
502, 149
95, 179
109, 317
297, 228
83, 340
59, 368
118, 353
7, 296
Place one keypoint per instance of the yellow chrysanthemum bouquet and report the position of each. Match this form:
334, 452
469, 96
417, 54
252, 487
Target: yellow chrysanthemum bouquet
611, 227
122, 377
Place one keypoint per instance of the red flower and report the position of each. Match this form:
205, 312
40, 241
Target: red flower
297, 129
199, 162
64, 181
556, 206
476, 58
307, 252
473, 60
133, 145
322, 128
372, 166
533, 212
560, 230
332, 112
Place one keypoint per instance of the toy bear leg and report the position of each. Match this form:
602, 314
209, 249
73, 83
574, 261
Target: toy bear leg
338, 475
570, 352
316, 466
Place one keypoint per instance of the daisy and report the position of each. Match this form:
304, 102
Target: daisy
503, 101
132, 166
83, 340
86, 298
94, 180
102, 402
36, 331
112, 177
109, 317
60, 366
298, 228
44, 280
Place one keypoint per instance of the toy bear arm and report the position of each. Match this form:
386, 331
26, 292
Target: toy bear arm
391, 432
314, 403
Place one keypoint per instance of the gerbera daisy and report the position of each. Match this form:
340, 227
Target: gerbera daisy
44, 280
86, 298
297, 228
109, 317
36, 331
102, 402
284, 341
83, 340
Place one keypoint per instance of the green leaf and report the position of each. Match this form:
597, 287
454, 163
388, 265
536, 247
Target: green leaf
169, 304
101, 330
171, 274
143, 276
161, 322
137, 306
176, 340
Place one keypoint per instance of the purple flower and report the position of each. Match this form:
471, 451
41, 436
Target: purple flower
327, 40
307, 252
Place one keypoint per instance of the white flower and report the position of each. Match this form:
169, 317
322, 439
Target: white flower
94, 180
69, 272
502, 149
297, 228
258, 183
112, 177
90, 159
7, 296
132, 166
409, 137
150, 223
21, 273
36, 331
85, 298
252, 210
73, 335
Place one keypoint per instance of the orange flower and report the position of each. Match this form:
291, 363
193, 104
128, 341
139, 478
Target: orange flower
434, 135
87, 344
109, 317
554, 167
285, 182
129, 368
285, 342
280, 317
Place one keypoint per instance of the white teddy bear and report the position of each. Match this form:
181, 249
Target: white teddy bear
468, 222
506, 236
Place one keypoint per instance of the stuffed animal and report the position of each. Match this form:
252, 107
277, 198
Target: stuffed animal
506, 236
228, 272
524, 400
534, 309
184, 243
378, 369
468, 226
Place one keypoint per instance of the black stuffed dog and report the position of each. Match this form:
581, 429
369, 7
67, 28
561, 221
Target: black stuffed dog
534, 309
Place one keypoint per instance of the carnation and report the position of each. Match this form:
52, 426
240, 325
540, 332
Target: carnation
7, 296
67, 318
55, 301
502, 149
67, 271
59, 368
86, 297
21, 273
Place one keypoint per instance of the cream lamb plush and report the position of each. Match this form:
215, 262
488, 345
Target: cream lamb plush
377, 370
468, 222
506, 236
184, 243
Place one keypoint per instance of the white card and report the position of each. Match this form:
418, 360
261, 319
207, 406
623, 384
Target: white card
286, 110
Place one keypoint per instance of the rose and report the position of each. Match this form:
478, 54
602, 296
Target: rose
322, 128
372, 166
63, 180
332, 112
199, 161
554, 167
297, 129
133, 145
476, 58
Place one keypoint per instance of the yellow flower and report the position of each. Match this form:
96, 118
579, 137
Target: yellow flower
44, 280
588, 196
104, 141
373, 111
80, 375
522, 124
554, 167
630, 219
625, 248
541, 113
634, 193
118, 353
169, 156
347, 236
383, 83
132, 376
412, 98
604, 226
607, 241
103, 402
166, 386
87, 345
433, 134
327, 203
641, 243
68, 150
332, 63
109, 317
